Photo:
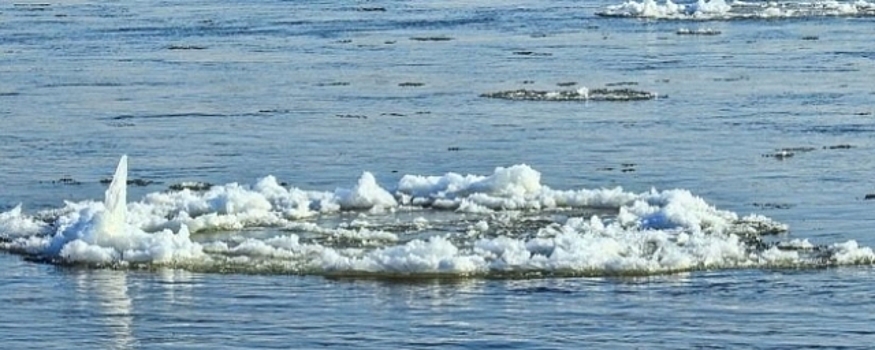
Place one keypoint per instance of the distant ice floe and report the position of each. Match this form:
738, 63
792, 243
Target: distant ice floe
722, 10
507, 224
581, 94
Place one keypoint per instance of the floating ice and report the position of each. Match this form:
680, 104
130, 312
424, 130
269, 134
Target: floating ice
14, 224
699, 31
367, 194
98, 233
503, 224
581, 94
720, 10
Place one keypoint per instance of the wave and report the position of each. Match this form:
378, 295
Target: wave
506, 224
721, 10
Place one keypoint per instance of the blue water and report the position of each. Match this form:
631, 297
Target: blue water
314, 93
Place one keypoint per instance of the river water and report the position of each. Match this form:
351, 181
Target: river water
328, 174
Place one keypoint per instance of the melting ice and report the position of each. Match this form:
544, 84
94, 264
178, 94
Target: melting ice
504, 224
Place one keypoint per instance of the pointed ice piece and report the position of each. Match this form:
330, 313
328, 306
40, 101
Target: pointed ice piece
113, 220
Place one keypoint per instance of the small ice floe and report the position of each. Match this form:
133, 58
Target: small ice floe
581, 94
784, 153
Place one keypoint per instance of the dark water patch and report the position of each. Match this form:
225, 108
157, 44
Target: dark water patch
292, 23
656, 65
334, 83
196, 186
121, 124
797, 149
274, 111
82, 84
566, 83
32, 7
344, 27
411, 84
788, 152
169, 116
779, 155
863, 54
351, 116
810, 37
186, 47
478, 19
622, 83
505, 125
821, 98
733, 79
431, 38
415, 64
108, 84
372, 9
131, 182
65, 180
768, 205
202, 30
841, 129
623, 168
532, 53
9, 94
843, 146
540, 290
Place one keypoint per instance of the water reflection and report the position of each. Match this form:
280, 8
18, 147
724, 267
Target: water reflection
424, 294
176, 285
108, 291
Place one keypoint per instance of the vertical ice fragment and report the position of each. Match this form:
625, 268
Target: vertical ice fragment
113, 220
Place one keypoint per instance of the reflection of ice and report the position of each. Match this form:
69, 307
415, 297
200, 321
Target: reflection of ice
110, 292
427, 294
176, 285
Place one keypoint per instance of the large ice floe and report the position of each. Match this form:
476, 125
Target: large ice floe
507, 224
723, 10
